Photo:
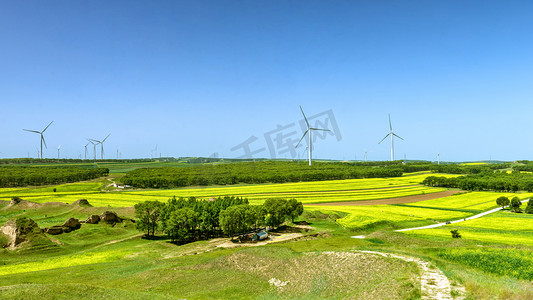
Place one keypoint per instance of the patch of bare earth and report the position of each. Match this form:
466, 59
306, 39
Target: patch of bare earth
399, 200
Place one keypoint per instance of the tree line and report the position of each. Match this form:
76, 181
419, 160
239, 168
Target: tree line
17, 176
190, 219
486, 181
252, 173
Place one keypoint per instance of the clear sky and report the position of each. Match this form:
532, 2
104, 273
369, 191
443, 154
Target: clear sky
202, 77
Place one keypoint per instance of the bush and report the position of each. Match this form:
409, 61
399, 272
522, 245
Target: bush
455, 234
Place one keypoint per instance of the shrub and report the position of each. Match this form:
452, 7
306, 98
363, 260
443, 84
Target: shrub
455, 234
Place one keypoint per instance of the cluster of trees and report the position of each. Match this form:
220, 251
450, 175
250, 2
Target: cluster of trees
17, 176
514, 204
486, 181
185, 220
449, 168
527, 166
467, 169
252, 173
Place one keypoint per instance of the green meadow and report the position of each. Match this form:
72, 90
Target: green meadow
103, 261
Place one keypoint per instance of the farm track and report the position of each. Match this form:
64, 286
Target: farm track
434, 284
399, 200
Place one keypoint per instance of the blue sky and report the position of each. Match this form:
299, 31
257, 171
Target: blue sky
201, 77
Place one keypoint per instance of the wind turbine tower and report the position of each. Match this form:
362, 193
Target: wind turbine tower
392, 135
101, 145
58, 148
94, 147
42, 136
86, 150
309, 130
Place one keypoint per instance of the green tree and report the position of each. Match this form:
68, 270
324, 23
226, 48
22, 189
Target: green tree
276, 211
529, 207
234, 219
503, 201
515, 204
148, 214
294, 209
181, 225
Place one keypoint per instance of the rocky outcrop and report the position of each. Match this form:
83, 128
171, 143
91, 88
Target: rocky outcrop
54, 230
94, 219
69, 225
110, 217
72, 223
19, 203
82, 203
19, 231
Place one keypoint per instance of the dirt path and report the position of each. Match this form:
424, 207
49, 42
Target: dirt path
399, 200
434, 284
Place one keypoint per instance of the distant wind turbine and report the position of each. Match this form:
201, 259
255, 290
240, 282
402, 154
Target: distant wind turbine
94, 147
392, 135
309, 130
101, 145
58, 151
86, 150
42, 136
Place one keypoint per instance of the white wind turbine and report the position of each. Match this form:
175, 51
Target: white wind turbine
309, 130
392, 135
58, 148
101, 145
86, 149
42, 137
94, 147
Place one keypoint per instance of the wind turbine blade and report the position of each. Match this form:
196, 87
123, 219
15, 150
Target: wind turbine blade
31, 130
44, 141
305, 117
390, 123
384, 138
106, 138
398, 136
319, 129
47, 127
301, 138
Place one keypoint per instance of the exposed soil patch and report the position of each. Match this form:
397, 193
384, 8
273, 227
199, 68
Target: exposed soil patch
399, 200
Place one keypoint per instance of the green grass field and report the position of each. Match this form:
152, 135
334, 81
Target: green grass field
104, 261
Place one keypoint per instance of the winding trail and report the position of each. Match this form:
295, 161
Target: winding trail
434, 284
